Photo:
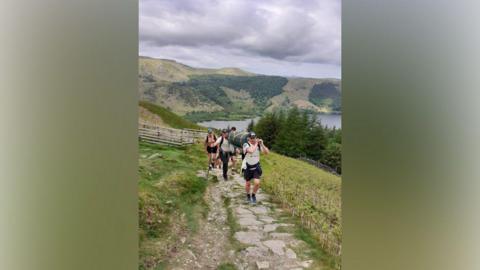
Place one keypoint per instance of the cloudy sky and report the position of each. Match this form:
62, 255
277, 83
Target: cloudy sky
274, 37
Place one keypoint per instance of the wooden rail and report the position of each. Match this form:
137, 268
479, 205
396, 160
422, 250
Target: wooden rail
170, 136
319, 165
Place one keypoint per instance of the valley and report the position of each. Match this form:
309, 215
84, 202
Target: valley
200, 94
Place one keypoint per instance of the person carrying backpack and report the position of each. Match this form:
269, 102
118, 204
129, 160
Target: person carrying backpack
225, 151
233, 150
251, 164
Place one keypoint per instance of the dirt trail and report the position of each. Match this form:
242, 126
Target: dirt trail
263, 238
210, 246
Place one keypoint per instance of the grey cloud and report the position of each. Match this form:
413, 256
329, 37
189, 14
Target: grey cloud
286, 30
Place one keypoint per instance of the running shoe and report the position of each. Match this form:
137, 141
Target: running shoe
254, 199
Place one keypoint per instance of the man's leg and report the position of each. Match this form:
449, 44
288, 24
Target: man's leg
247, 189
218, 160
256, 185
233, 158
212, 160
225, 158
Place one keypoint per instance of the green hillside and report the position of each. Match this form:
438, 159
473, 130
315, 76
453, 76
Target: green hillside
172, 71
205, 94
326, 94
168, 117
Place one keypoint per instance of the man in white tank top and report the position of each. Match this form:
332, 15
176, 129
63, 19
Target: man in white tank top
252, 150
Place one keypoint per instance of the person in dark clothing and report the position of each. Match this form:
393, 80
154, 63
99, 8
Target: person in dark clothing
225, 151
233, 150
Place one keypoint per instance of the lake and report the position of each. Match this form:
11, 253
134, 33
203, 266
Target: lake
221, 124
330, 120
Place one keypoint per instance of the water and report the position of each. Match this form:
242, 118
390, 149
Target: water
221, 124
330, 120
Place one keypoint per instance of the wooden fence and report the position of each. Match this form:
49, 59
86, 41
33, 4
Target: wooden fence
319, 165
171, 136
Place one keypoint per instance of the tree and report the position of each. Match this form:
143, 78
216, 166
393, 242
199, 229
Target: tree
332, 156
316, 140
300, 134
267, 128
291, 138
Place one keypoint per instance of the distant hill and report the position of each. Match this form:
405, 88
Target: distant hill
158, 115
230, 93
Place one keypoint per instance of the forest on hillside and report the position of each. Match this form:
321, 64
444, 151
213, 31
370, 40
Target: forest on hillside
261, 88
326, 93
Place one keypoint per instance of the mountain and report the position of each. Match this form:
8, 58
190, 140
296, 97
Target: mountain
230, 93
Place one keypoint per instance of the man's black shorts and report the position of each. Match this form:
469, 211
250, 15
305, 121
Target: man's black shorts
211, 150
253, 173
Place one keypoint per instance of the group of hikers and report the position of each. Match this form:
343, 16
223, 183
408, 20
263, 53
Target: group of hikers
220, 151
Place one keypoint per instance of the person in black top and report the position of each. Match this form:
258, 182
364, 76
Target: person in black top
211, 148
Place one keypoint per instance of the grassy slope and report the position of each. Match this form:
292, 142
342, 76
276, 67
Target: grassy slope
170, 199
319, 195
172, 71
170, 118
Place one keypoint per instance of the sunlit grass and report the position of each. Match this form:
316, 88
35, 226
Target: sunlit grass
312, 195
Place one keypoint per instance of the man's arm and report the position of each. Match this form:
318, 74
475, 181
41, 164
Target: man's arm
264, 149
252, 148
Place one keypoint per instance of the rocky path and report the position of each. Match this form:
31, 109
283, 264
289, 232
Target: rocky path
262, 237
210, 246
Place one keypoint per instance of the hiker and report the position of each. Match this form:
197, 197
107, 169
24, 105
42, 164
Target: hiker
234, 150
251, 164
211, 149
225, 151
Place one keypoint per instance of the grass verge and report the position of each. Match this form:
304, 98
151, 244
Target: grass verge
170, 200
313, 196
315, 251
226, 266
